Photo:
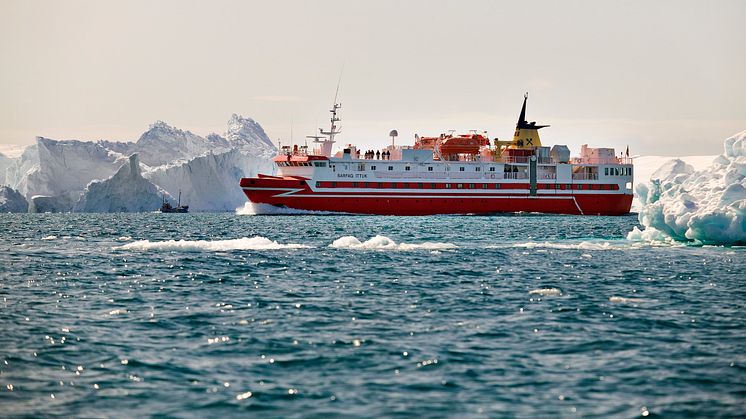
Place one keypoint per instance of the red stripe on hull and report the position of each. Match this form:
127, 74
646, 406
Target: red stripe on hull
294, 193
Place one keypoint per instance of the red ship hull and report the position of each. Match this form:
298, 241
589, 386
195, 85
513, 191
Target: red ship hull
296, 193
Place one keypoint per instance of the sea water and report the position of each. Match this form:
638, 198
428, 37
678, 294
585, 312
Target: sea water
205, 315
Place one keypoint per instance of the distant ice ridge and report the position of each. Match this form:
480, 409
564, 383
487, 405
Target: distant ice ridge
706, 206
244, 243
385, 243
53, 175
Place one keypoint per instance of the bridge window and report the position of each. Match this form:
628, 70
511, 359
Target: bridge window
606, 171
319, 163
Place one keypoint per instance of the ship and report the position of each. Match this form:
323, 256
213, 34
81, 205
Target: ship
447, 174
167, 208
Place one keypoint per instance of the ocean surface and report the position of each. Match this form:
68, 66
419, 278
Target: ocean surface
345, 316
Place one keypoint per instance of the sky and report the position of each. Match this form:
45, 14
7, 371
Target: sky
664, 77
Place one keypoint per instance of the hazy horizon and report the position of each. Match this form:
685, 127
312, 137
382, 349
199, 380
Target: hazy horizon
665, 78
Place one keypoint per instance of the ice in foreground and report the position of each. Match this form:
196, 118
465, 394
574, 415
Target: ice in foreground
706, 206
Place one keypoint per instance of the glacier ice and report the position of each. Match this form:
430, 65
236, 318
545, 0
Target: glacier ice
210, 182
706, 206
54, 174
12, 201
126, 191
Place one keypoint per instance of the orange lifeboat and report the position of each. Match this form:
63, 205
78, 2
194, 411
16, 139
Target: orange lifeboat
453, 144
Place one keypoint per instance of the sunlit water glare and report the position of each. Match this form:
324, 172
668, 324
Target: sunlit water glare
196, 315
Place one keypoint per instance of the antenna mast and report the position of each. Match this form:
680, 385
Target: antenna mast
326, 145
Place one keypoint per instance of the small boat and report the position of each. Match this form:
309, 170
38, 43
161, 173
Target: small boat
166, 207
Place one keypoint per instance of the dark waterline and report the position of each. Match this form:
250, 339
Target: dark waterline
509, 316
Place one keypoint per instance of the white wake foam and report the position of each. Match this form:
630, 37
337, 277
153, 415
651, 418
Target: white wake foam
385, 243
244, 243
585, 245
251, 208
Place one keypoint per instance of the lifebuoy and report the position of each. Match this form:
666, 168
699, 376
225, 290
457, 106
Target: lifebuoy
492, 176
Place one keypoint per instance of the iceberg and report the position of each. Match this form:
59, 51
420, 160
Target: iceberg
210, 182
12, 201
126, 191
53, 175
705, 206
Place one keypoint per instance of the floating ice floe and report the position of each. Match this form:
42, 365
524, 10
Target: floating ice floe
244, 243
385, 243
706, 206
546, 291
617, 299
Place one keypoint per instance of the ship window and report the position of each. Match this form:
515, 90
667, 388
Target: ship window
460, 185
406, 185
492, 169
497, 186
616, 171
420, 185
406, 168
471, 186
391, 167
429, 168
484, 186
606, 171
334, 184
478, 169
372, 167
318, 184
556, 186
461, 169
380, 185
448, 186
354, 184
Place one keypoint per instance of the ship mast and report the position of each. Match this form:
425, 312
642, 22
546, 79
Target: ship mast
326, 145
